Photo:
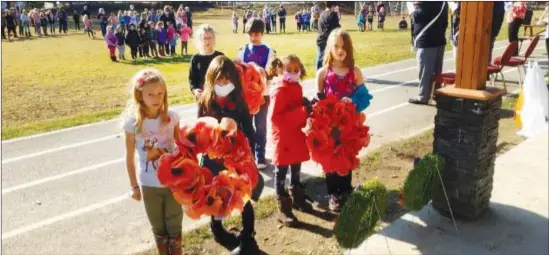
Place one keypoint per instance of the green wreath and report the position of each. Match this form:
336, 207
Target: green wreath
419, 183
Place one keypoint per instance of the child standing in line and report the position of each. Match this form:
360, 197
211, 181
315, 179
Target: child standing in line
113, 20
88, 29
121, 39
289, 113
261, 54
162, 37
150, 127
127, 19
25, 23
171, 39
112, 42
235, 22
339, 76
381, 18
121, 21
370, 18
297, 18
205, 42
51, 21
132, 40
360, 22
173, 44
44, 22
222, 98
185, 34
153, 35
144, 42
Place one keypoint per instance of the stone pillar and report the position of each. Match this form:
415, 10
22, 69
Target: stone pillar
466, 124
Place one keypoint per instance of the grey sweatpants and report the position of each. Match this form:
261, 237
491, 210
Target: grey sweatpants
164, 213
429, 62
121, 49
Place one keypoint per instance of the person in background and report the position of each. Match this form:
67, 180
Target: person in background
153, 38
85, 11
112, 42
205, 43
76, 20
429, 44
25, 23
113, 20
162, 37
315, 14
189, 17
364, 13
4, 14
185, 35
244, 20
143, 21
88, 29
103, 21
11, 23
328, 21
127, 19
403, 24
234, 20
132, 40
267, 19
360, 22
51, 21
144, 42
120, 39
282, 19
273, 21
173, 41
35, 15
297, 18
43, 23
514, 20
381, 18
370, 18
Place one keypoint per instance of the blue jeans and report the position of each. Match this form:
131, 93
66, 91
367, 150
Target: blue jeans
260, 136
319, 56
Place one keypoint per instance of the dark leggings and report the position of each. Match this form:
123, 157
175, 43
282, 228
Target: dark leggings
280, 177
513, 30
248, 222
244, 25
282, 25
337, 185
133, 49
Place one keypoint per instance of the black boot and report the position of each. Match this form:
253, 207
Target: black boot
222, 237
247, 246
286, 216
300, 198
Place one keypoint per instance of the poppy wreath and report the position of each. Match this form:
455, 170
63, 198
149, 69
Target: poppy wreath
335, 135
195, 187
253, 84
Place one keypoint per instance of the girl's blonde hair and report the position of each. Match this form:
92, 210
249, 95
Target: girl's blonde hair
200, 31
349, 61
136, 107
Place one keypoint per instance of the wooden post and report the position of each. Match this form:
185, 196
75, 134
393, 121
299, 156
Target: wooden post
467, 120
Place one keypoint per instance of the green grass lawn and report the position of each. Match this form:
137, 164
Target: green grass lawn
62, 81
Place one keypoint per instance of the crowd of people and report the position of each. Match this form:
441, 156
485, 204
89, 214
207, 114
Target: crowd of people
18, 23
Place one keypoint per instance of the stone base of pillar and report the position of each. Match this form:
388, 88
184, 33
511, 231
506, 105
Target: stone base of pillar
465, 135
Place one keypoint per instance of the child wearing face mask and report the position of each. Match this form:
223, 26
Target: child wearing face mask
222, 98
289, 112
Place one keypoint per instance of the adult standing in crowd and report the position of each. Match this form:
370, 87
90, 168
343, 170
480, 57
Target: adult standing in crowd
189, 17
282, 19
76, 20
514, 20
103, 21
430, 20
328, 21
315, 12
10, 23
62, 18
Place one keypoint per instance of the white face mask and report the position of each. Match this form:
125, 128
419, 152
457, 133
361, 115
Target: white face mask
291, 77
223, 91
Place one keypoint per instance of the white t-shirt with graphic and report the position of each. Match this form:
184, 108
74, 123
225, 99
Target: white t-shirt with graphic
154, 140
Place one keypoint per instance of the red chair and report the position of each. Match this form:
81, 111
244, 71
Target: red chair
517, 62
444, 79
500, 63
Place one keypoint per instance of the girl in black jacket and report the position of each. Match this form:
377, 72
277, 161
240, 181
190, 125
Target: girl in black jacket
144, 42
132, 40
222, 97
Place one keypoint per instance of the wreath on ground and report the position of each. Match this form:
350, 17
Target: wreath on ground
195, 187
253, 84
420, 181
335, 135
360, 214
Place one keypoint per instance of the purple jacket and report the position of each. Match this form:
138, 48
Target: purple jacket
162, 36
111, 40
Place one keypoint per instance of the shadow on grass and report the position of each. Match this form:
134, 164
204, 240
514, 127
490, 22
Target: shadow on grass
161, 60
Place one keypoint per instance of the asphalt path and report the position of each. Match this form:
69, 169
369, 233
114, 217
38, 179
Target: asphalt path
66, 192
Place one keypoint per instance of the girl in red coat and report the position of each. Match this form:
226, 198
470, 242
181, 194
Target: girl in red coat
289, 113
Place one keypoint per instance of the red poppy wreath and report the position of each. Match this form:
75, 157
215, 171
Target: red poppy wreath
195, 187
253, 84
335, 135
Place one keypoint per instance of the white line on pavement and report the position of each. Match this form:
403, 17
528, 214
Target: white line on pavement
64, 216
60, 176
66, 147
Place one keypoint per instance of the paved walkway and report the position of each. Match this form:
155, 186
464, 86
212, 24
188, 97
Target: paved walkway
517, 222
66, 192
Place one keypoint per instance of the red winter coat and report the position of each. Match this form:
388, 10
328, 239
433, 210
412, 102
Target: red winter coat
288, 117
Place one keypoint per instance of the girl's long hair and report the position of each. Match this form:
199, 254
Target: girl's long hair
136, 107
221, 67
349, 61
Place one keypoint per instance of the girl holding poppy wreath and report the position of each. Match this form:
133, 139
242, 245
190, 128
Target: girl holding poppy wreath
151, 130
340, 77
222, 98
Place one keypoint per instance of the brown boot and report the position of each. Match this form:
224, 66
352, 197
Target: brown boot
300, 198
161, 244
286, 216
175, 245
